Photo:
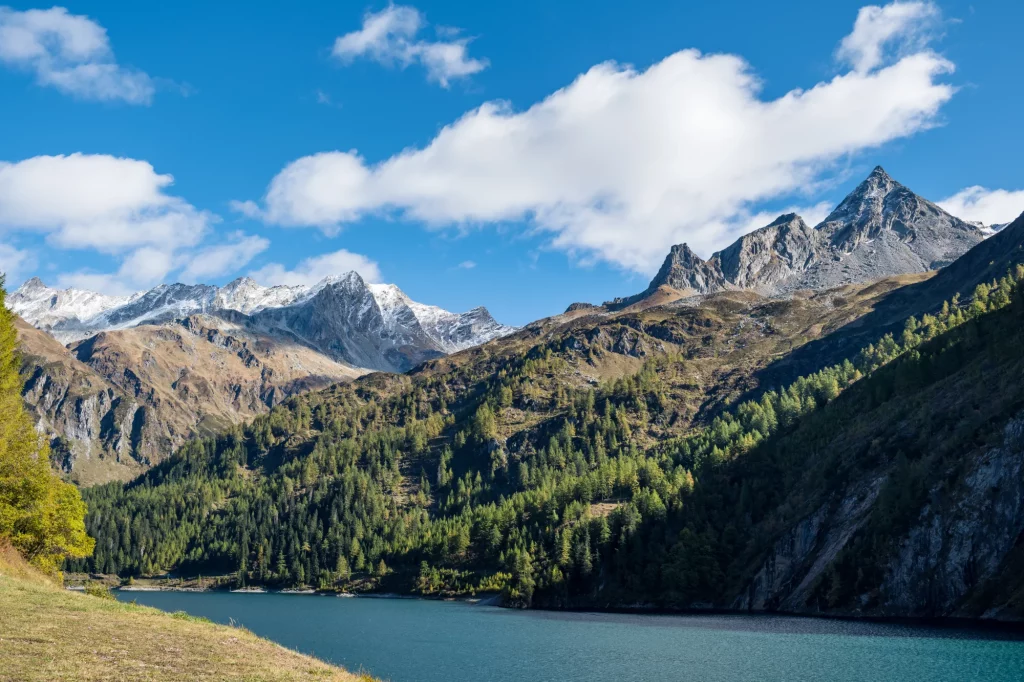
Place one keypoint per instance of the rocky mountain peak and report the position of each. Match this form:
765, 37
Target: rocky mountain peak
769, 255
241, 284
32, 285
684, 269
876, 198
880, 229
350, 280
878, 174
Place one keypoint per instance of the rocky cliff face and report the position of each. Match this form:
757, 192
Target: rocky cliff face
123, 400
958, 548
955, 560
99, 427
774, 254
879, 230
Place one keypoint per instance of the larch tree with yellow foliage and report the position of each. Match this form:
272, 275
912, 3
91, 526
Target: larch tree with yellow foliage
41, 516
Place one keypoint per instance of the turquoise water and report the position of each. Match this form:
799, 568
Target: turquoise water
402, 640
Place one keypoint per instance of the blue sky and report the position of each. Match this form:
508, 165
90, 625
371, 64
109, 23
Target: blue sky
286, 144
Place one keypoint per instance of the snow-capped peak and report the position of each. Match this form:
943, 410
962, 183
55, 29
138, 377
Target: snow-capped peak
71, 315
45, 306
248, 296
451, 331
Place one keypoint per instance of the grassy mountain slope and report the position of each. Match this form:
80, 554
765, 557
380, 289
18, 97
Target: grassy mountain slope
48, 633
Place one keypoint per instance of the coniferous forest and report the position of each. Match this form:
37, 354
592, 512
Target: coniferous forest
490, 474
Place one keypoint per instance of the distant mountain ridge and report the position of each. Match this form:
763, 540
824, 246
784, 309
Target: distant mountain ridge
880, 229
121, 382
371, 326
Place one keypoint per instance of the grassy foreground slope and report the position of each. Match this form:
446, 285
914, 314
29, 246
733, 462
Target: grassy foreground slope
48, 633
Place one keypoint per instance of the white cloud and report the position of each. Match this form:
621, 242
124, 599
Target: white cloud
903, 25
622, 163
148, 266
312, 270
389, 37
120, 207
103, 283
214, 261
250, 209
70, 53
141, 269
467, 265
96, 201
991, 207
15, 263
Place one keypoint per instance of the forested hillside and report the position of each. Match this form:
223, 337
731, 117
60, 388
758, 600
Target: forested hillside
600, 464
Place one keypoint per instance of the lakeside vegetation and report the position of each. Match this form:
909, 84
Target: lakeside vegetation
493, 473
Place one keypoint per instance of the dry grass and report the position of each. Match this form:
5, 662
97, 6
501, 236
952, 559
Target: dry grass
48, 633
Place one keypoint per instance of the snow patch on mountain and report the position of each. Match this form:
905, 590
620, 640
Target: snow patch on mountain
247, 296
451, 331
47, 307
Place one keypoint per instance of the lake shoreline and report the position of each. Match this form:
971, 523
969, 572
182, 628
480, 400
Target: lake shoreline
488, 599
1012, 627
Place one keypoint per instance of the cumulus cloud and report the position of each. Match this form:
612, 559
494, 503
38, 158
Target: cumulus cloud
312, 270
120, 207
213, 261
904, 26
622, 163
148, 266
141, 269
97, 201
389, 37
990, 207
71, 53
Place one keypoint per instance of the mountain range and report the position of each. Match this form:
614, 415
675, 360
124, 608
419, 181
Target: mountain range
141, 374
123, 381
373, 326
824, 420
